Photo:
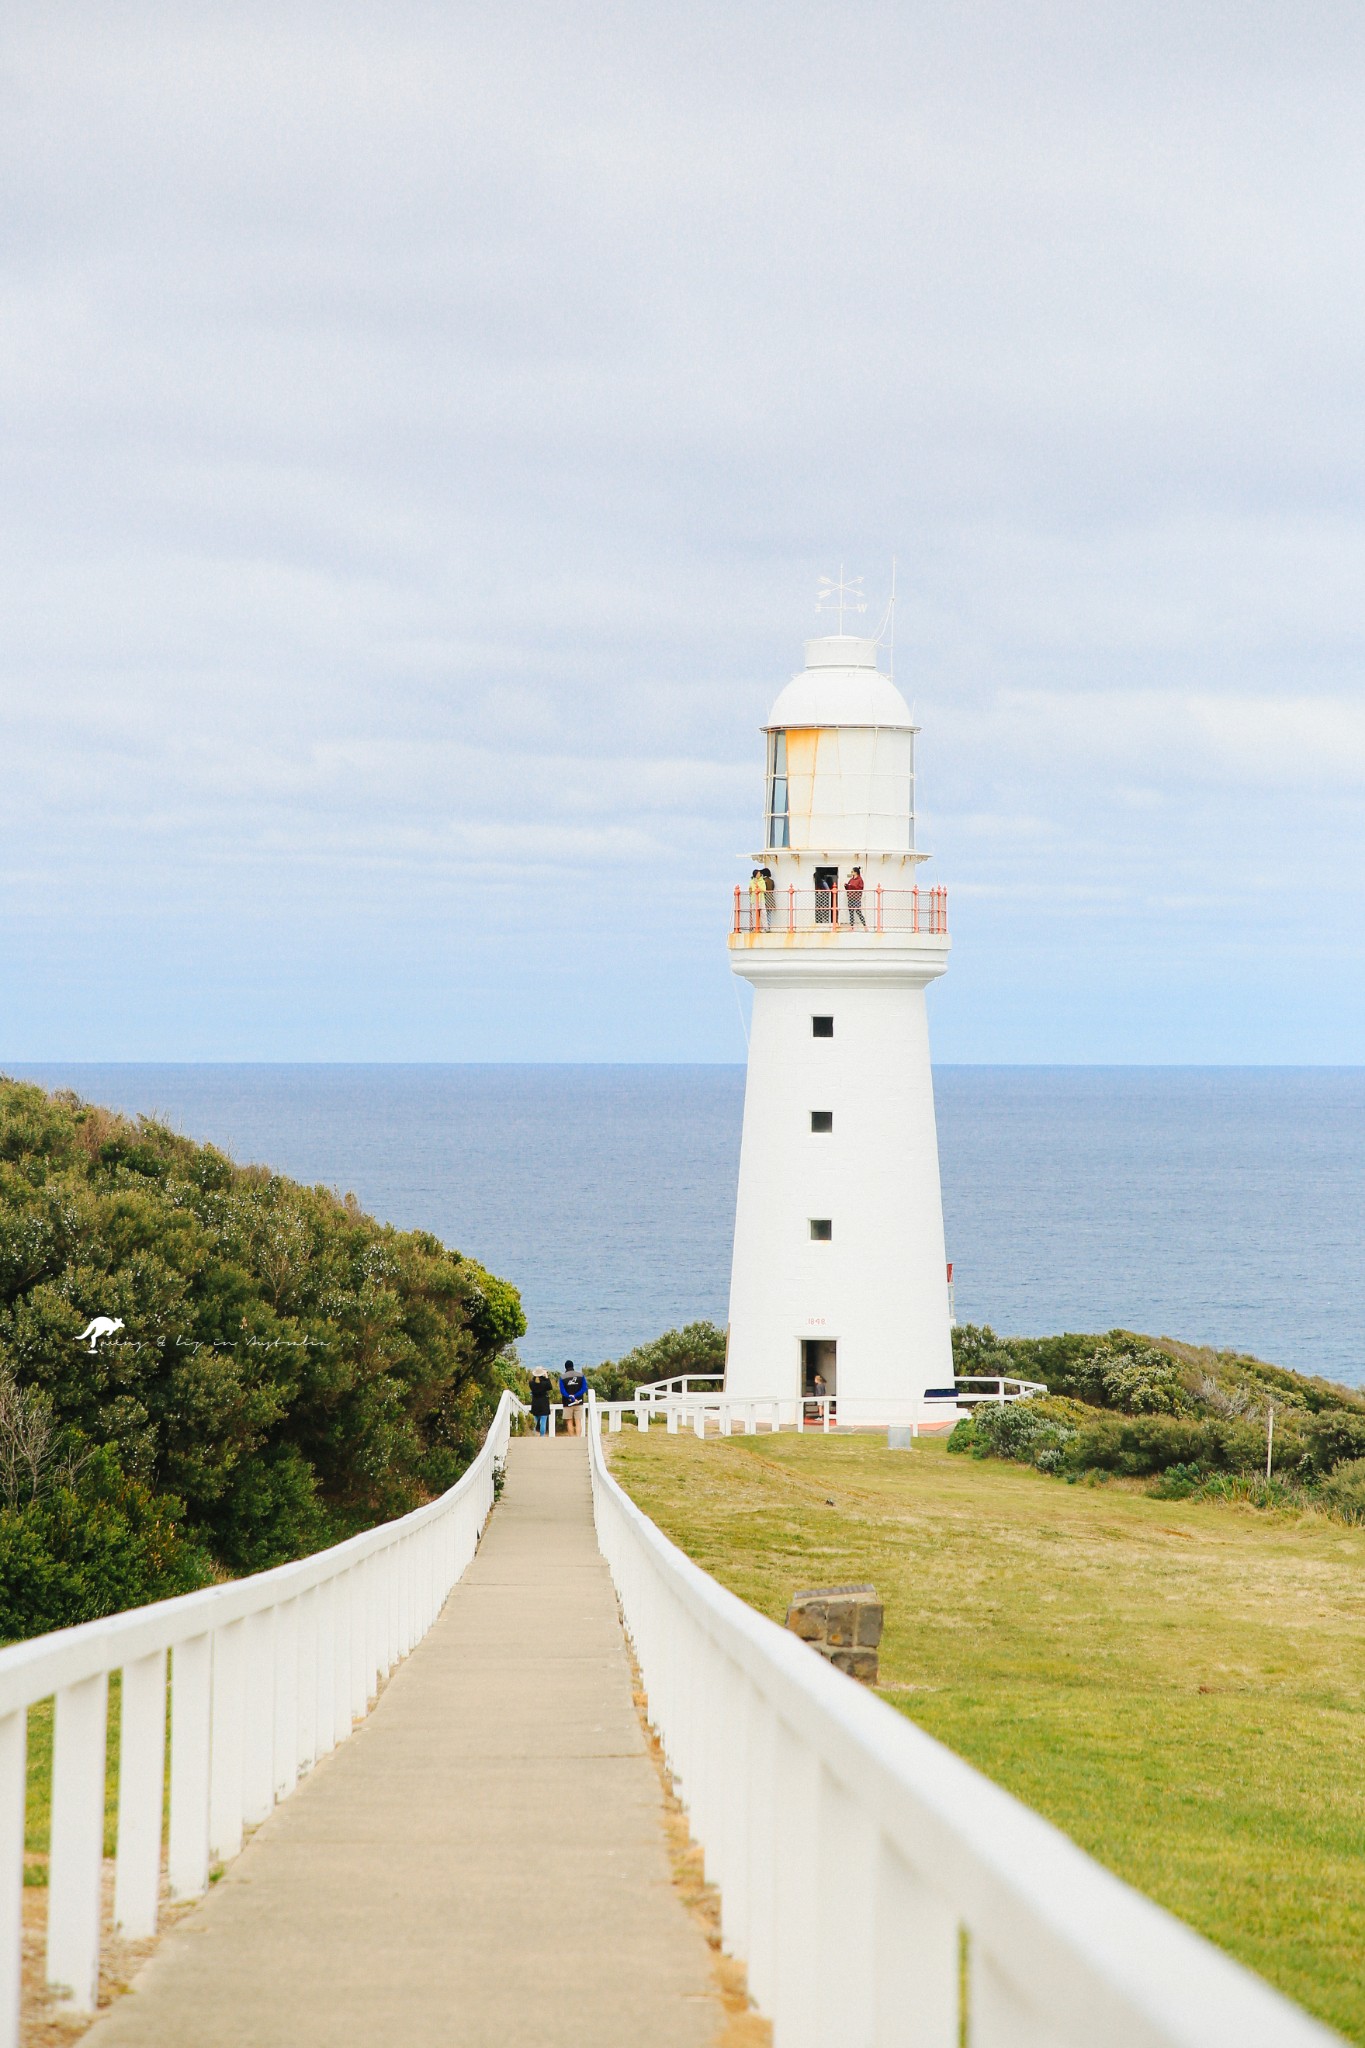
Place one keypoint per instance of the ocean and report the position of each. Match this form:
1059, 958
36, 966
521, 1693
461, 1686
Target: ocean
1222, 1205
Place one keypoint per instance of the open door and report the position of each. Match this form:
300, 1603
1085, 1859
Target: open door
819, 1374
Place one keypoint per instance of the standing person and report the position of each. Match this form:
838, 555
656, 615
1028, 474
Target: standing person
758, 897
573, 1392
853, 889
540, 1400
769, 897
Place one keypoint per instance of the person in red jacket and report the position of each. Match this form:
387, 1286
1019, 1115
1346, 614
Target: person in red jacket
853, 890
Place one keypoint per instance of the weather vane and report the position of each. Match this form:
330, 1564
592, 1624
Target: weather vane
847, 595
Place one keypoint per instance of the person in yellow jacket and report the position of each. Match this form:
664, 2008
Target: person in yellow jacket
758, 901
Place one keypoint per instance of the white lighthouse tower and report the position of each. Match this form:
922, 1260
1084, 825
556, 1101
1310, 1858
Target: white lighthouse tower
839, 1257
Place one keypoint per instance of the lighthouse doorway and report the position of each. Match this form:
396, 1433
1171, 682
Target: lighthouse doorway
819, 1355
827, 895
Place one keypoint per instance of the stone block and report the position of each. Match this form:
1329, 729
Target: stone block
844, 1623
859, 1664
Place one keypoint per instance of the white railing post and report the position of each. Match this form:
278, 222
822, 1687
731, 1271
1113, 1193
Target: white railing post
13, 1784
76, 1862
227, 1744
191, 1724
286, 1702
358, 1589
848, 1874
797, 1906
306, 1678
324, 1686
141, 1795
341, 1657
261, 1653
915, 1945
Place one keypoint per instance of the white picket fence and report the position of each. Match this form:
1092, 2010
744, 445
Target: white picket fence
699, 1402
266, 1675
881, 1892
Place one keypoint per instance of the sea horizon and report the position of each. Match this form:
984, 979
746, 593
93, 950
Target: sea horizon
1215, 1204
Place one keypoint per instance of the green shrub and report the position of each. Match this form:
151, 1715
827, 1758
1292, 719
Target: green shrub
698, 1348
1343, 1491
1177, 1482
289, 1369
1024, 1431
1138, 1446
1137, 1379
1335, 1437
90, 1547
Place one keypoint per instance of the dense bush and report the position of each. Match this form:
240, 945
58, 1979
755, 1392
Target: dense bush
1139, 1445
1193, 1420
1030, 1432
699, 1348
1335, 1438
1344, 1490
289, 1370
91, 1548
1094, 1368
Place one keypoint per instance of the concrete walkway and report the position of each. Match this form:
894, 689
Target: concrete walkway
483, 1862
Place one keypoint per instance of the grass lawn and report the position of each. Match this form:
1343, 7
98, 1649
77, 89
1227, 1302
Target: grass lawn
1178, 1685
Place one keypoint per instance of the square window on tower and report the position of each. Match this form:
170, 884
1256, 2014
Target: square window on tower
822, 1119
822, 1027
821, 1229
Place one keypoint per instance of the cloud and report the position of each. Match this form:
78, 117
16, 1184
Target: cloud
424, 430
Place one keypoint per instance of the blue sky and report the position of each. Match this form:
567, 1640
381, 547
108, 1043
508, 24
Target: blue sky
425, 429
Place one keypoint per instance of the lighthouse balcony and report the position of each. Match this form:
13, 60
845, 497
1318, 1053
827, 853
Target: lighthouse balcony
837, 914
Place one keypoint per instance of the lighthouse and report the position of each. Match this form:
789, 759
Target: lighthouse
839, 1266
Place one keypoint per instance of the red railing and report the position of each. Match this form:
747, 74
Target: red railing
912, 912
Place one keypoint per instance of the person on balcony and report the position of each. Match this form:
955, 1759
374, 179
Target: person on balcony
758, 900
573, 1392
853, 890
769, 897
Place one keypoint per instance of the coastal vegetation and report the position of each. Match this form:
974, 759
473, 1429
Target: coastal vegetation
697, 1348
1177, 1683
287, 1370
1195, 1422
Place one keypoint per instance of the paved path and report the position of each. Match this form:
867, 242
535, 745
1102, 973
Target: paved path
483, 1861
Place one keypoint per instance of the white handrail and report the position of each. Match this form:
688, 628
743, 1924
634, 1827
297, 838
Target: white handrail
267, 1674
859, 1861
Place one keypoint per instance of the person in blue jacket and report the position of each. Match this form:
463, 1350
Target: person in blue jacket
573, 1392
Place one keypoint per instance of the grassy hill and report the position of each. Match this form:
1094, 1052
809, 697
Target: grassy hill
289, 1370
1177, 1683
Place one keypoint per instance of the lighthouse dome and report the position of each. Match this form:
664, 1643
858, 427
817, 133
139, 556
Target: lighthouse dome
840, 685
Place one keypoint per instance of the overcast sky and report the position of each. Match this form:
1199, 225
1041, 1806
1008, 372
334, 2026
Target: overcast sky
424, 427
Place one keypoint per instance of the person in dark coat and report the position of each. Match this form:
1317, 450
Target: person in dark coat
540, 1401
